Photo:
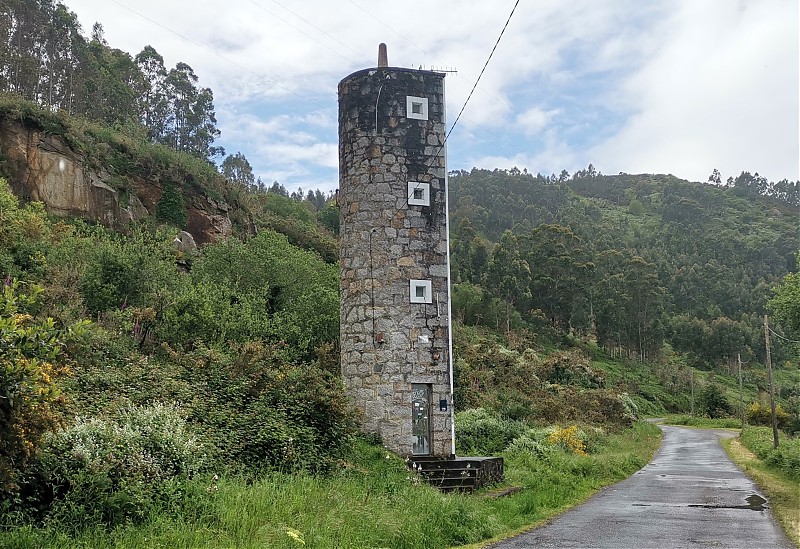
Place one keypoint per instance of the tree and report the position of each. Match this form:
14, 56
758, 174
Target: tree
237, 169
508, 276
712, 402
111, 81
561, 270
192, 123
277, 188
153, 101
785, 305
645, 307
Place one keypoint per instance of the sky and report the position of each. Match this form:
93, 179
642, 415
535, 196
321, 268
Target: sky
659, 86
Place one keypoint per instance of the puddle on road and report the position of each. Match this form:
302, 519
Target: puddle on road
754, 503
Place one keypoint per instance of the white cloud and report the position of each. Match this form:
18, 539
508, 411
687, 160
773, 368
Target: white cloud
720, 93
669, 85
534, 120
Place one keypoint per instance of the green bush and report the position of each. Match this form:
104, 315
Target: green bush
570, 368
170, 207
115, 469
712, 402
565, 404
263, 289
533, 442
264, 412
128, 272
479, 432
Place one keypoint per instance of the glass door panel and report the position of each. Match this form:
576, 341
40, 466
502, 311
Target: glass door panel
420, 418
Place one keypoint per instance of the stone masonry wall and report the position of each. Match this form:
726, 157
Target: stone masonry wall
388, 343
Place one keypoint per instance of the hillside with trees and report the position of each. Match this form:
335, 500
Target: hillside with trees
635, 262
154, 394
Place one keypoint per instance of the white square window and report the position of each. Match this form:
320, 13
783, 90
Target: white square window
417, 107
419, 194
421, 291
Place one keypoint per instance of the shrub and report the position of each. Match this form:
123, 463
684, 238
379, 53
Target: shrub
793, 426
561, 404
127, 272
265, 413
527, 445
570, 439
265, 289
570, 368
479, 432
631, 408
115, 469
761, 414
30, 365
170, 207
712, 402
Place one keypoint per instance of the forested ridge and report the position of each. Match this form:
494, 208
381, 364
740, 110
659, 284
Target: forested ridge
47, 60
156, 395
636, 261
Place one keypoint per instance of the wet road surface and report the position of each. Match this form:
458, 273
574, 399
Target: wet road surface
690, 495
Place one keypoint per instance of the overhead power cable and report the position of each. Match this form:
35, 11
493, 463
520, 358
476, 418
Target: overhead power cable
482, 71
444, 141
498, 98
776, 334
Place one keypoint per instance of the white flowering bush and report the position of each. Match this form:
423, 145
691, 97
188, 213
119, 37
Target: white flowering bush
116, 469
529, 444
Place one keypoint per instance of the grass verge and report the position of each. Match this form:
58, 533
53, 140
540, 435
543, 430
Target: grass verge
373, 502
783, 492
703, 422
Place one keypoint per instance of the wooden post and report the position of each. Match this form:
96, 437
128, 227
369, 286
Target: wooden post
741, 388
771, 385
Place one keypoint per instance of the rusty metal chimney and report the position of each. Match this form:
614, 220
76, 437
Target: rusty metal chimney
383, 58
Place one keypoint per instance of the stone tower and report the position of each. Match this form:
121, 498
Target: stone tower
395, 283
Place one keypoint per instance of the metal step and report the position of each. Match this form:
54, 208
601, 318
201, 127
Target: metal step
467, 473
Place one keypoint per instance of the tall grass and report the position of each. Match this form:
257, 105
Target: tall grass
785, 458
373, 501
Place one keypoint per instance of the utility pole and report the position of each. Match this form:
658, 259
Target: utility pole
692, 383
771, 385
741, 389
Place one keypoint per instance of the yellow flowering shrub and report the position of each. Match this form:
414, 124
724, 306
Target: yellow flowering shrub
29, 367
569, 439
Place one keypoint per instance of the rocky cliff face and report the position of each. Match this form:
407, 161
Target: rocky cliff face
43, 167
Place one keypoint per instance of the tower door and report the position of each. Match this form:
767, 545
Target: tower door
420, 418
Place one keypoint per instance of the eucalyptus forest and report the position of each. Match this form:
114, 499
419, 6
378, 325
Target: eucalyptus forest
155, 396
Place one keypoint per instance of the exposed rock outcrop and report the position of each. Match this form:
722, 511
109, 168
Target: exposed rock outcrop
43, 167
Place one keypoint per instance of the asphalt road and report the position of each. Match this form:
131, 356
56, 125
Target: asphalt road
690, 495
